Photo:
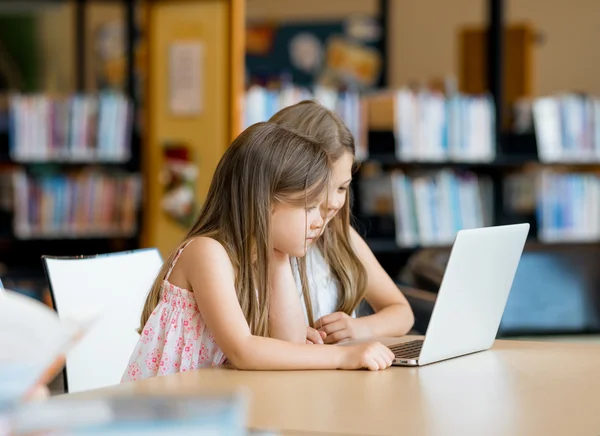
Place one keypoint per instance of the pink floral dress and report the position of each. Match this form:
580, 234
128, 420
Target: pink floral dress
175, 337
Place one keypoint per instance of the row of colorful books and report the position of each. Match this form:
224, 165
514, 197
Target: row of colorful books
428, 208
568, 207
85, 204
427, 125
81, 128
262, 103
567, 127
432, 126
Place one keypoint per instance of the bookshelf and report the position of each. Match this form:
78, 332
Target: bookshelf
156, 126
562, 173
557, 196
70, 164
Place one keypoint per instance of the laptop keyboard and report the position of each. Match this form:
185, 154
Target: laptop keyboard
407, 350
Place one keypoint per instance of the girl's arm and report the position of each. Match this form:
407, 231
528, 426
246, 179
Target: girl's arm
208, 269
393, 315
286, 316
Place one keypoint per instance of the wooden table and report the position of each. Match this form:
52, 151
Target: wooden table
516, 388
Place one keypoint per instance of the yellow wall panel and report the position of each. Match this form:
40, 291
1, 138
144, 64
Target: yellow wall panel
208, 133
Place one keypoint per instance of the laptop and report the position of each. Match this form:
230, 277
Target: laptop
472, 296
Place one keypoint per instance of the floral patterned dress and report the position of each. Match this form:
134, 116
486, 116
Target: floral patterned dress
175, 337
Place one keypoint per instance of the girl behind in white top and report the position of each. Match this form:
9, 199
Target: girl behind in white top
344, 269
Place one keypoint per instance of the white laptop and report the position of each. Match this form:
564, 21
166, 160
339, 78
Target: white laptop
471, 298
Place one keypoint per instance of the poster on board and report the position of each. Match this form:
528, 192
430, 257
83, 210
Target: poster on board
186, 77
338, 54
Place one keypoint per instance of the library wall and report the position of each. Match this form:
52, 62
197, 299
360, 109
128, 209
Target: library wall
423, 35
432, 54
567, 59
410, 57
56, 34
423, 43
313, 10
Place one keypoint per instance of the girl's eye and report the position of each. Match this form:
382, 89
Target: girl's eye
343, 188
311, 208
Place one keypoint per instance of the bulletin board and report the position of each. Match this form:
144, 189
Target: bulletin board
340, 54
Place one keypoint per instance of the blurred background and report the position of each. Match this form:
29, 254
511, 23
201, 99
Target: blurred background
466, 113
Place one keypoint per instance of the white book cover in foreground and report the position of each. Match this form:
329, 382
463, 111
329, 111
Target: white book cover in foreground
32, 340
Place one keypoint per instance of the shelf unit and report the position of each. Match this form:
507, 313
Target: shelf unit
20, 258
514, 153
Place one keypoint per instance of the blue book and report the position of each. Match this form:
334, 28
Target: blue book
206, 414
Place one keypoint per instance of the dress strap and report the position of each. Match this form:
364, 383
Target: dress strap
176, 258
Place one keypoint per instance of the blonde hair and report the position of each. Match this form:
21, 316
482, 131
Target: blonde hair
314, 120
266, 164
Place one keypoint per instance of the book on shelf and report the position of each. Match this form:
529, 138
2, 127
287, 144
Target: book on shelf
520, 192
567, 128
262, 103
33, 341
82, 204
6, 191
79, 128
428, 207
436, 127
568, 207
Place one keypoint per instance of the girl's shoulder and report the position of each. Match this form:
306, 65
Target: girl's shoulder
201, 249
201, 253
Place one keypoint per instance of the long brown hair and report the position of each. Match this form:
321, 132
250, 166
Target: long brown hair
311, 118
266, 164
